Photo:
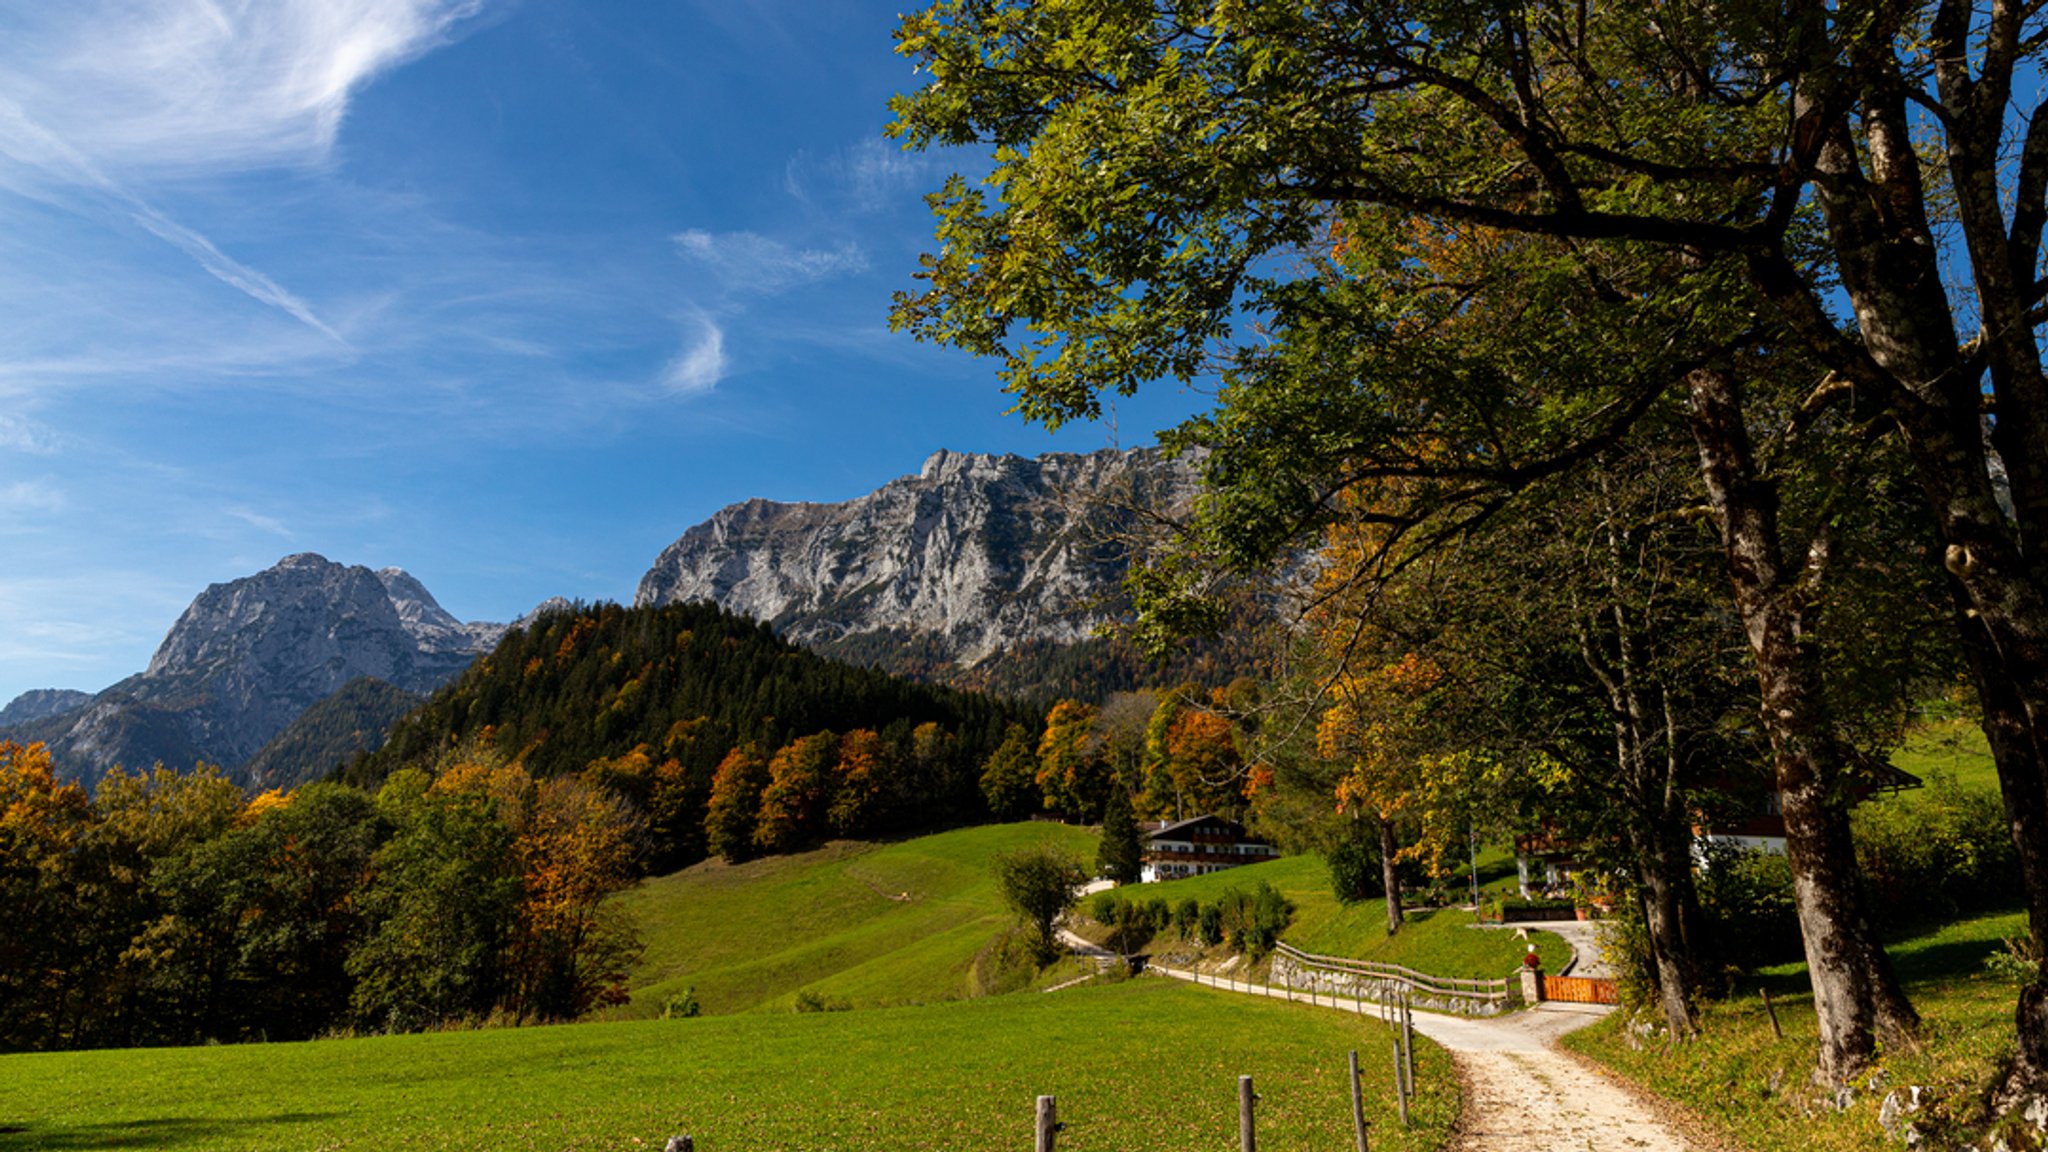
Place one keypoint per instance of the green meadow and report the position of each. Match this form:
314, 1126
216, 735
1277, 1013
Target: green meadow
864, 925
1951, 747
1138, 1065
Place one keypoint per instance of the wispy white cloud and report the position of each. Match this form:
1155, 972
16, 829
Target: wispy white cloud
232, 272
26, 141
257, 520
101, 98
157, 85
872, 174
701, 364
24, 437
24, 497
748, 261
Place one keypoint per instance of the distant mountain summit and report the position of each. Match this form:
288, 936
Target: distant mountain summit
975, 555
39, 703
249, 656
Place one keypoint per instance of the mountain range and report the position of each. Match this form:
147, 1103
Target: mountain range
934, 574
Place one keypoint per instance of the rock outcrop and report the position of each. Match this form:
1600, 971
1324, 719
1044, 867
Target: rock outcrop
972, 556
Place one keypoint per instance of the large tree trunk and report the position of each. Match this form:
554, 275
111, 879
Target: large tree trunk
1661, 904
1390, 876
1648, 783
1664, 866
1910, 359
2010, 735
1855, 994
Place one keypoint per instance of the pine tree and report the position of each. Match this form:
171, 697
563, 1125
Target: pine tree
1120, 857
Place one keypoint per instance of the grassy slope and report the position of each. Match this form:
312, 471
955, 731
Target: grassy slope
944, 1076
1955, 747
1439, 942
1753, 1087
1729, 1074
835, 921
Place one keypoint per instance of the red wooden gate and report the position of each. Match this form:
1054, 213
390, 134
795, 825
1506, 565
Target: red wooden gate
1579, 990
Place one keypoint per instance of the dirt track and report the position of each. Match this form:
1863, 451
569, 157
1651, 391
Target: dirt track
1524, 1095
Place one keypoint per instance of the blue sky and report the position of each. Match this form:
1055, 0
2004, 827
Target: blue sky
508, 293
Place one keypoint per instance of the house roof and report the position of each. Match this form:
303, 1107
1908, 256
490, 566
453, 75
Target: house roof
1882, 775
1230, 826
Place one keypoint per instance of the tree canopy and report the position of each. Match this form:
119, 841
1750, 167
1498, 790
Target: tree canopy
1444, 251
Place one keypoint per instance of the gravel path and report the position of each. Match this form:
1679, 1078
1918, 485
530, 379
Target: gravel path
1521, 1093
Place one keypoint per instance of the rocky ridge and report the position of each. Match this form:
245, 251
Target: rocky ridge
974, 555
39, 703
249, 656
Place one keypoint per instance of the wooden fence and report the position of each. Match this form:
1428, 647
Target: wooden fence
1488, 996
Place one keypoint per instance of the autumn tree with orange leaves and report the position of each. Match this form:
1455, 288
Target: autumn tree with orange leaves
571, 950
42, 825
735, 805
798, 794
1373, 729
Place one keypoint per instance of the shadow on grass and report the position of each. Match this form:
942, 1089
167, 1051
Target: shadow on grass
158, 1132
1946, 960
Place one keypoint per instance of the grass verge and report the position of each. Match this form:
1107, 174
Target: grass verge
1139, 1065
1754, 1088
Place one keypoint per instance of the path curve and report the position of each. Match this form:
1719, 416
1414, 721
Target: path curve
1521, 1092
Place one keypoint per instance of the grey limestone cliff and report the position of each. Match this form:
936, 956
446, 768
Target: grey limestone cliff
972, 555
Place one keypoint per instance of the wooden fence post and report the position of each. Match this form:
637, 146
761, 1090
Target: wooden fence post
1357, 1104
1775, 1030
1048, 1124
1247, 1129
1400, 1089
1408, 1047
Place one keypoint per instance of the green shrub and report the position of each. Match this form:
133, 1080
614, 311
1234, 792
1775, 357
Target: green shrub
1252, 921
1158, 917
681, 1005
1187, 917
809, 1001
1007, 964
1209, 924
1746, 895
1130, 928
1933, 854
1354, 872
1625, 945
2017, 962
1102, 907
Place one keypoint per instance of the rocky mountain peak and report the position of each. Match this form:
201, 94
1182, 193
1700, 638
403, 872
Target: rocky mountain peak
249, 655
40, 703
973, 554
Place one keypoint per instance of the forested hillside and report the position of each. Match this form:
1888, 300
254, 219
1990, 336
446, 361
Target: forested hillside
330, 734
653, 700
